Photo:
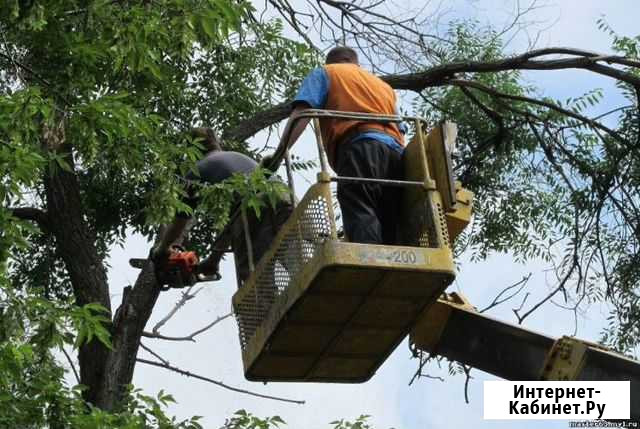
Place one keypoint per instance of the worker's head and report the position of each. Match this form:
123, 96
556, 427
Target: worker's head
210, 140
341, 54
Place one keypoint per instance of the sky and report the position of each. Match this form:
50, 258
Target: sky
387, 397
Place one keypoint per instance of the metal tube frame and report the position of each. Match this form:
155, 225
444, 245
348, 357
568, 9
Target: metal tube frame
386, 182
324, 176
317, 114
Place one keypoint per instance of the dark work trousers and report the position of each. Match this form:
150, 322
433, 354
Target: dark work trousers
370, 211
262, 232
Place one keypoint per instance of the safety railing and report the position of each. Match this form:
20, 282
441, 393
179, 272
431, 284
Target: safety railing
313, 223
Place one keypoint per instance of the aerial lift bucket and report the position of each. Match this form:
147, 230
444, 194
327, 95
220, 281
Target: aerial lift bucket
319, 309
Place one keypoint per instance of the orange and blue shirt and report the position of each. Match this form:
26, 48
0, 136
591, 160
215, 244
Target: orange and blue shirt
348, 87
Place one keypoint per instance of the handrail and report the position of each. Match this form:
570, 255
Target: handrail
279, 153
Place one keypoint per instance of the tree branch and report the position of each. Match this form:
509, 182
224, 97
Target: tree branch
437, 76
154, 354
261, 120
552, 106
442, 75
73, 367
27, 69
185, 296
33, 214
467, 373
217, 383
497, 301
548, 297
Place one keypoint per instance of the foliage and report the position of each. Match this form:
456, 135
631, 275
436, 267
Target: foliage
359, 423
547, 185
33, 390
239, 78
496, 159
250, 192
619, 164
124, 85
244, 420
106, 92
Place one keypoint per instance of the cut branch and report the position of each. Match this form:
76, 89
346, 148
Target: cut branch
33, 214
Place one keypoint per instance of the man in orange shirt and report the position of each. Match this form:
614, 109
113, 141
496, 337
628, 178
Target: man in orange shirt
356, 148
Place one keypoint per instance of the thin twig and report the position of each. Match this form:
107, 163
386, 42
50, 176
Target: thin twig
190, 337
73, 367
186, 296
467, 372
423, 362
548, 297
164, 361
217, 383
497, 301
491, 91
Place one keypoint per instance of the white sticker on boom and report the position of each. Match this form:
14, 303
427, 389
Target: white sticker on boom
391, 256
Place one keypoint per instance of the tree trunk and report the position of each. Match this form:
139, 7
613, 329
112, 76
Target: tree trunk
128, 324
106, 373
76, 245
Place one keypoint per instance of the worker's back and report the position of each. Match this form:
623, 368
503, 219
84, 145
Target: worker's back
220, 165
353, 89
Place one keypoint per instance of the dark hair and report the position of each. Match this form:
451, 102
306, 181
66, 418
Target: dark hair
211, 142
341, 54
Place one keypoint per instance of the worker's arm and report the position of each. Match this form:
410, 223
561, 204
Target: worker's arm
170, 234
210, 266
173, 232
312, 94
292, 131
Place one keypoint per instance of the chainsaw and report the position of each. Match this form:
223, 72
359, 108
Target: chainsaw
179, 270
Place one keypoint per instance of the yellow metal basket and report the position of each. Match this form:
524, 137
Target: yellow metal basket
319, 309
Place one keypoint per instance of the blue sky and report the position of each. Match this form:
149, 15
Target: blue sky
387, 397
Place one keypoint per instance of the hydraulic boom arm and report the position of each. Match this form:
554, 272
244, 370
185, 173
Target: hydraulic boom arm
454, 329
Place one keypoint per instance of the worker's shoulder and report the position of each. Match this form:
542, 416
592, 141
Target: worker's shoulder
230, 158
346, 71
228, 154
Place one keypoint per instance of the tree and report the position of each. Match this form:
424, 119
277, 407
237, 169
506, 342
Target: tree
96, 98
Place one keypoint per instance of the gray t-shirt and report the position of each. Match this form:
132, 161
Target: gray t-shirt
219, 166
215, 168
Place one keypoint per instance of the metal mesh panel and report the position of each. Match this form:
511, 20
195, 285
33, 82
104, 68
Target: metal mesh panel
427, 235
426, 229
419, 228
310, 225
443, 225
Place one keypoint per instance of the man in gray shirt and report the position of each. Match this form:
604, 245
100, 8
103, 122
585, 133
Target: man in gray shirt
215, 167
